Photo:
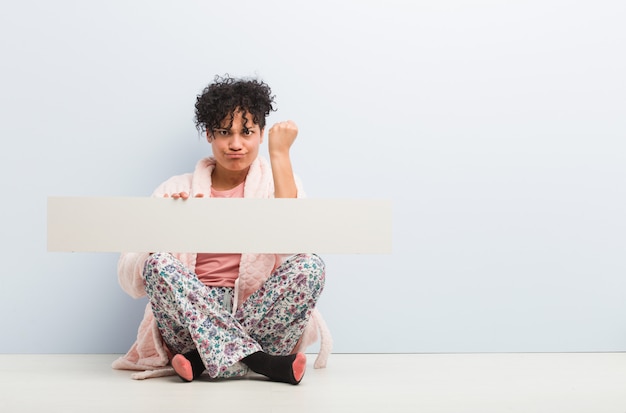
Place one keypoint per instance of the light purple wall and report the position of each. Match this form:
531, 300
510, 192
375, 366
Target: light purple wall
496, 128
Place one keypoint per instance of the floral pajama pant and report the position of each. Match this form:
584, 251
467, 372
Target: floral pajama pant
191, 315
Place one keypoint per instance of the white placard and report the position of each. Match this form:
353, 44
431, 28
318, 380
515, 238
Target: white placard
129, 224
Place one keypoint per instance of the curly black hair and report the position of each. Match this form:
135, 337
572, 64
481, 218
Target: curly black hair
226, 95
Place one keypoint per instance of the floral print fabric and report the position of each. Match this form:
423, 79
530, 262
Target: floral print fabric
192, 315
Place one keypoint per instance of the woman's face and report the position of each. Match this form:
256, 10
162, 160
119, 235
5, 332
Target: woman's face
235, 148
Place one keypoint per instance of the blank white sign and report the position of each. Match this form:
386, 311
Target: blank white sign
129, 224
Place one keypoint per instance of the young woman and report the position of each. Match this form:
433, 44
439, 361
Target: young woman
226, 313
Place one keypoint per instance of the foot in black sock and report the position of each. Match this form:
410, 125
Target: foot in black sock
285, 369
188, 366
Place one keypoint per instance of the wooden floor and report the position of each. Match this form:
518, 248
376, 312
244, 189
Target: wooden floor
459, 383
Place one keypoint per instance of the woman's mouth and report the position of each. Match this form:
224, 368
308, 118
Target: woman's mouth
235, 155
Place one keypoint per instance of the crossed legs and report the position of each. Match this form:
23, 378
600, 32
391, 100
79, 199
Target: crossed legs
260, 335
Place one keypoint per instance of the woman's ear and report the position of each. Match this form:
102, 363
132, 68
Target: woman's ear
262, 132
209, 136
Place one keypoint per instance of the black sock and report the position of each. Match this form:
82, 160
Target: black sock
285, 369
197, 365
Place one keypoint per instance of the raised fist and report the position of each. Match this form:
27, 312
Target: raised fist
281, 136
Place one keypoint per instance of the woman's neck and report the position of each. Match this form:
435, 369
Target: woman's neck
223, 180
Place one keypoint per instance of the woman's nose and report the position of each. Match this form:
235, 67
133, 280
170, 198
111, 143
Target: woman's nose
235, 142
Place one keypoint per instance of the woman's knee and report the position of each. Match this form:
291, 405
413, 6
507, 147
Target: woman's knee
319, 266
153, 267
320, 275
315, 269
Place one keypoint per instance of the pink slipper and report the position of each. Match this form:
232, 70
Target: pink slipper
298, 367
182, 367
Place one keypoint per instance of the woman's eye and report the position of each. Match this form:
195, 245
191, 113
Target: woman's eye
221, 132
